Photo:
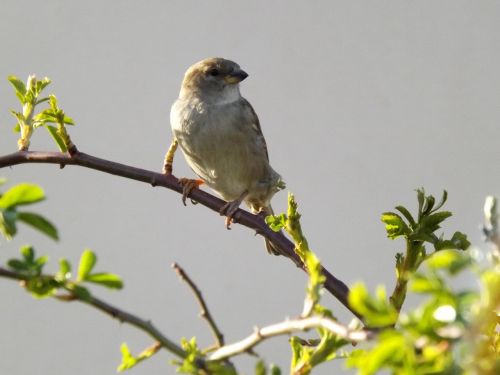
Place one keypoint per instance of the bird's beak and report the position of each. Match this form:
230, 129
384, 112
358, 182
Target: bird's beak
236, 77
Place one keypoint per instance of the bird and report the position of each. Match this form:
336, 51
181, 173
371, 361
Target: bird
221, 138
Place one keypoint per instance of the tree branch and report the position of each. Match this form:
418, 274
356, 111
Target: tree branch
114, 312
335, 286
135, 321
10, 275
205, 313
287, 327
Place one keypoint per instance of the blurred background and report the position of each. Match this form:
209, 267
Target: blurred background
360, 102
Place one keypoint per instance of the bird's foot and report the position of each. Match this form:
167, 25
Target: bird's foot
230, 208
188, 184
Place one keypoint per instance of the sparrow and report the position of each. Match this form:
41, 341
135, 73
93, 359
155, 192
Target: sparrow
220, 136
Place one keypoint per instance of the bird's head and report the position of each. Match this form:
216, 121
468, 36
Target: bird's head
213, 79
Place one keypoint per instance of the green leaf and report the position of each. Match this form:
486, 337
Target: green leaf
442, 201
390, 349
189, 364
21, 194
433, 220
59, 141
39, 262
457, 242
68, 120
40, 85
460, 240
128, 360
298, 351
43, 118
8, 223
276, 223
260, 368
53, 103
420, 283
64, 266
451, 260
428, 204
394, 225
80, 292
64, 272
29, 98
21, 98
87, 263
40, 223
41, 287
42, 100
18, 265
274, 370
377, 312
16, 128
327, 348
406, 214
424, 235
29, 265
421, 201
108, 280
18, 84
18, 115
28, 253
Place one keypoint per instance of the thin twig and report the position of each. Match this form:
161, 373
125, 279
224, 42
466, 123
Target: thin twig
137, 322
287, 327
491, 225
153, 348
115, 312
335, 286
205, 312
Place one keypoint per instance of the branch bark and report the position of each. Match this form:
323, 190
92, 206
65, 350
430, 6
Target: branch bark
287, 327
333, 285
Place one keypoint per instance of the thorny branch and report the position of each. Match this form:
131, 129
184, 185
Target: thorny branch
287, 327
335, 286
224, 352
205, 313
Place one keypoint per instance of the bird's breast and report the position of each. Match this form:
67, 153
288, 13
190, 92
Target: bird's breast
221, 146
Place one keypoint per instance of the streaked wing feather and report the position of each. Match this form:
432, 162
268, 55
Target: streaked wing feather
256, 126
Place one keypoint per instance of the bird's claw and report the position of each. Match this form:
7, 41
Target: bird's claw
188, 185
229, 209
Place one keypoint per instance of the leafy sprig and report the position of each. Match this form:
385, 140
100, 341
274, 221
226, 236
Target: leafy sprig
53, 118
417, 232
446, 333
306, 357
42, 285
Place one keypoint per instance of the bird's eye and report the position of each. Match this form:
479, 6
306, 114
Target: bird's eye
213, 72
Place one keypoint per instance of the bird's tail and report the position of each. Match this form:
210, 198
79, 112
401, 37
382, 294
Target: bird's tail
270, 247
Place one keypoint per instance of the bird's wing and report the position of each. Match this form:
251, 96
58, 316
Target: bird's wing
254, 120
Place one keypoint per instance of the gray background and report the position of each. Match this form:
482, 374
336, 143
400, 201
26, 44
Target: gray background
361, 102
